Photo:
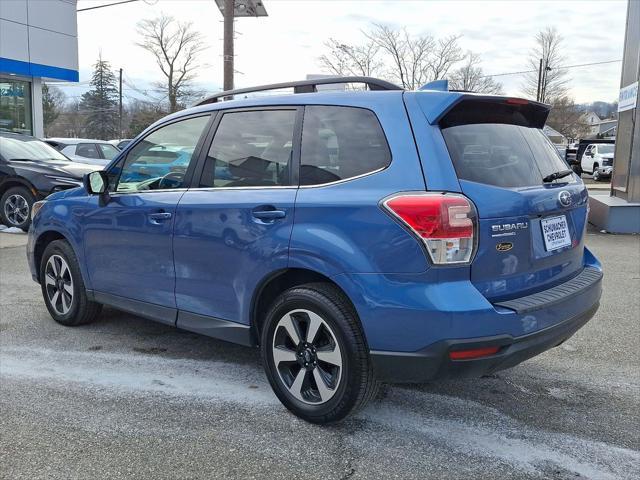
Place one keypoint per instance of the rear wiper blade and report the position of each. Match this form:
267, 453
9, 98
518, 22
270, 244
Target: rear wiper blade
556, 175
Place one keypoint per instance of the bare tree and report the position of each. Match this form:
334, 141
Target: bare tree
407, 56
351, 60
406, 59
415, 60
548, 47
567, 118
470, 77
175, 46
446, 54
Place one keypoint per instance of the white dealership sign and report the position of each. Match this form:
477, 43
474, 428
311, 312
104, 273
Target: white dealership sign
628, 97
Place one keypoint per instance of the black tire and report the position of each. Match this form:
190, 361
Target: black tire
596, 176
595, 169
80, 309
577, 169
11, 213
357, 383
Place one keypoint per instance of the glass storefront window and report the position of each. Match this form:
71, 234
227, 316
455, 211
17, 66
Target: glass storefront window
15, 106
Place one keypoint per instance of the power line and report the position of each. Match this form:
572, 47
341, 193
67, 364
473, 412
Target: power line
562, 67
106, 5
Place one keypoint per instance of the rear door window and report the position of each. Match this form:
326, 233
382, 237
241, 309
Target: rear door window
502, 155
251, 149
87, 150
339, 143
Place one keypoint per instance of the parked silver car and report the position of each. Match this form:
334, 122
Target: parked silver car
83, 150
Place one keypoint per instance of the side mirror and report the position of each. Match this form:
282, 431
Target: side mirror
96, 183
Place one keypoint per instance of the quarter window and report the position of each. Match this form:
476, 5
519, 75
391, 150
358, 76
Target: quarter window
160, 160
340, 143
108, 151
251, 149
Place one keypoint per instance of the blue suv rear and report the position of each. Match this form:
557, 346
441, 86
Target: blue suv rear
355, 237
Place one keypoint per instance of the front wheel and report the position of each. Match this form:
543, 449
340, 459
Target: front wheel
315, 355
596, 175
63, 288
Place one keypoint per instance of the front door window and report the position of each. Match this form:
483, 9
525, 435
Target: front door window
160, 160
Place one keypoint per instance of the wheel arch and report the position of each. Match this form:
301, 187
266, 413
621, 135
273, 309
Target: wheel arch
17, 182
44, 239
276, 283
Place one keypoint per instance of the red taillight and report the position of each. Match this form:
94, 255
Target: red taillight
473, 353
517, 101
444, 222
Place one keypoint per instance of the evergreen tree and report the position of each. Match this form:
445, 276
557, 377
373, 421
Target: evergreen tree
53, 101
100, 104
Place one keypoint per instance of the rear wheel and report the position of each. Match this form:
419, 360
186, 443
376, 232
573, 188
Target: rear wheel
577, 169
63, 288
315, 355
16, 207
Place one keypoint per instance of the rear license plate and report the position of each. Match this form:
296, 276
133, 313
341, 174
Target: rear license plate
555, 231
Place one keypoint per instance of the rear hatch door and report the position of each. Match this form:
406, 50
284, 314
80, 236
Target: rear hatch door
531, 227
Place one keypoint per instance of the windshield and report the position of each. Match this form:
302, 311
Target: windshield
606, 149
12, 148
502, 155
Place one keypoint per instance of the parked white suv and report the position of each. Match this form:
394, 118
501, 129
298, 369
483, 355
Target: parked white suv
597, 159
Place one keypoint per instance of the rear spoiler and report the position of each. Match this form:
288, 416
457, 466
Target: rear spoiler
459, 108
513, 111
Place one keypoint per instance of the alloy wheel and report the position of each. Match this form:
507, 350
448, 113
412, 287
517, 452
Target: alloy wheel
16, 209
307, 356
59, 284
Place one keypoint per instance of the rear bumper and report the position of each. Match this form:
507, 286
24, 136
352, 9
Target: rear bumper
433, 362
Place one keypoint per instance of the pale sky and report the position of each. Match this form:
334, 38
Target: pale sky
286, 44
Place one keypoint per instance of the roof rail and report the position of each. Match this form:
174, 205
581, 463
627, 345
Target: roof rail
303, 86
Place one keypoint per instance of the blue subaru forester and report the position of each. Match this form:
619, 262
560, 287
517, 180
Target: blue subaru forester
356, 236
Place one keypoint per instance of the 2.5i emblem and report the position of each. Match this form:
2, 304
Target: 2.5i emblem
504, 246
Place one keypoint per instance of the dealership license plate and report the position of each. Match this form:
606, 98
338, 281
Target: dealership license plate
555, 231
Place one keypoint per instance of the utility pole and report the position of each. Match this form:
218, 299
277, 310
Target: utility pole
539, 81
228, 44
543, 88
120, 120
230, 10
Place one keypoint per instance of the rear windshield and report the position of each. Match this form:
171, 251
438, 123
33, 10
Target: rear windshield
502, 155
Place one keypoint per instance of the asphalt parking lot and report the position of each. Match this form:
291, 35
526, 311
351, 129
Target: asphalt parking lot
129, 398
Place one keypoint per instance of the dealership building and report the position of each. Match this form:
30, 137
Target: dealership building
618, 211
38, 42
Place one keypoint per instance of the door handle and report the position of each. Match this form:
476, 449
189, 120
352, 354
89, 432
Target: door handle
158, 217
268, 214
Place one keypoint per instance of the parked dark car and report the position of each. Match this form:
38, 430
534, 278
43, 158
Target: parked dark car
29, 171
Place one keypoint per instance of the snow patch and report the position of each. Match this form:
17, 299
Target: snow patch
137, 373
